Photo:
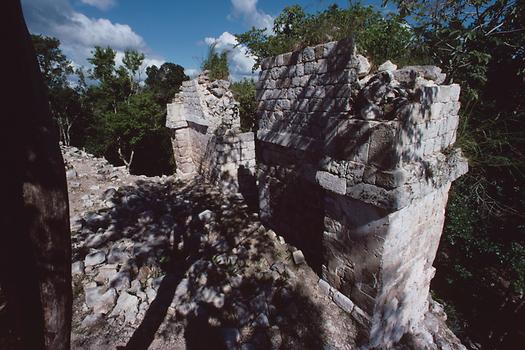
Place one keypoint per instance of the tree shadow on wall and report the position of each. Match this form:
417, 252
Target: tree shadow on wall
315, 123
224, 282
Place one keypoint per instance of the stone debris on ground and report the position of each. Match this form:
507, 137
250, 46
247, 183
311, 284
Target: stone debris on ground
191, 259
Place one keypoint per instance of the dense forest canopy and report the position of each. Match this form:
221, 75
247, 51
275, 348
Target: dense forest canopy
480, 44
108, 109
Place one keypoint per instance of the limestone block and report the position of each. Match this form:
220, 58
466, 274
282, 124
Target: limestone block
247, 154
451, 108
387, 66
329, 49
442, 93
331, 182
277, 72
343, 302
363, 66
310, 68
391, 179
185, 168
246, 137
409, 74
267, 63
282, 60
448, 93
307, 55
322, 65
384, 150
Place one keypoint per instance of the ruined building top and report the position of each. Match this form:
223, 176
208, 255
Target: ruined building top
382, 135
204, 102
206, 136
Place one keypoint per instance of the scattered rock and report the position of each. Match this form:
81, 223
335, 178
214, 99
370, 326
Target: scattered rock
298, 257
127, 306
206, 215
276, 338
151, 294
387, 66
144, 273
77, 268
117, 256
96, 240
231, 337
71, 174
105, 274
363, 66
410, 73
95, 258
92, 320
120, 281
105, 303
262, 321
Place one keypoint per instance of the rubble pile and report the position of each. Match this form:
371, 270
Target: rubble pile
179, 264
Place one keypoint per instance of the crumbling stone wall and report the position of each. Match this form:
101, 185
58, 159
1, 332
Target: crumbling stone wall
354, 168
206, 135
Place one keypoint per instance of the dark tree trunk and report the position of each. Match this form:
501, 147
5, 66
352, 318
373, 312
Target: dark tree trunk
35, 242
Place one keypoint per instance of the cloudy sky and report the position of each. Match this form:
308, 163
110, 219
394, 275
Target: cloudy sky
165, 30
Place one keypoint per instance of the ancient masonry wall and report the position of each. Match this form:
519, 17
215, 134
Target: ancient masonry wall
204, 121
354, 169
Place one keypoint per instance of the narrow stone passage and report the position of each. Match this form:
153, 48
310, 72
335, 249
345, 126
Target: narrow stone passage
180, 265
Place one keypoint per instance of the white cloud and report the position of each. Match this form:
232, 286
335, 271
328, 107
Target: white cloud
240, 61
86, 31
100, 4
79, 34
252, 16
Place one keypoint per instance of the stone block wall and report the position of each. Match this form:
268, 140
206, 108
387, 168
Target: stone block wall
354, 168
206, 137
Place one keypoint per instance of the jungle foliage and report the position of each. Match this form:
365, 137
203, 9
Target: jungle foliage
108, 110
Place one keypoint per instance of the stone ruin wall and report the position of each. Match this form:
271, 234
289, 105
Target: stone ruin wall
206, 138
354, 169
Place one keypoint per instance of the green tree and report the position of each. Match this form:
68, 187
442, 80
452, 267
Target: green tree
165, 81
103, 61
244, 93
376, 36
216, 64
133, 61
127, 128
54, 65
56, 69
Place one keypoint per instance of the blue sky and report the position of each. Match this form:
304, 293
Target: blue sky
165, 30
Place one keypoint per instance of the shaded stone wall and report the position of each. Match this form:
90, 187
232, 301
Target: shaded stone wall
355, 168
206, 137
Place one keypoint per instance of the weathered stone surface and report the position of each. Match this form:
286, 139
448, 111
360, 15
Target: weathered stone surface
354, 163
331, 182
71, 174
343, 302
77, 268
205, 215
104, 304
127, 306
387, 66
298, 257
206, 135
95, 258
409, 74
363, 66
